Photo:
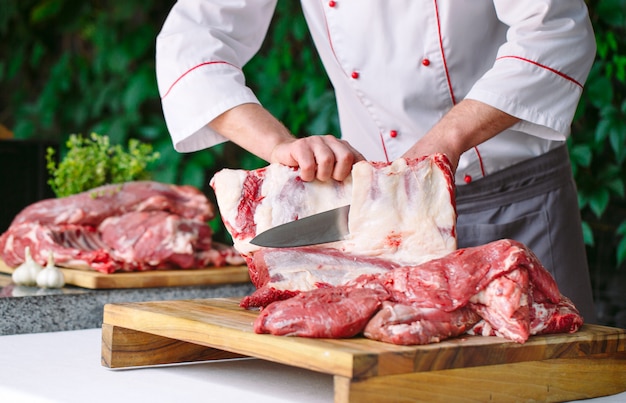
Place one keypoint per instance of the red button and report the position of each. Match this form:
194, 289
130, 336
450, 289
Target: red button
426, 62
467, 179
355, 74
393, 134
332, 3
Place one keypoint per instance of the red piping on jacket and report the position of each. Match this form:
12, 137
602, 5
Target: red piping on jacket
445, 67
330, 42
382, 141
480, 161
443, 55
189, 71
332, 48
565, 76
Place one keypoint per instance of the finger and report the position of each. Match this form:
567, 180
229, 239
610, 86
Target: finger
325, 159
335, 158
304, 156
315, 159
345, 157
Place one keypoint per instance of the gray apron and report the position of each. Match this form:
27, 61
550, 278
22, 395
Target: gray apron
534, 202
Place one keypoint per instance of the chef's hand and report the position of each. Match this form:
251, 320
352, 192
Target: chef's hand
319, 157
466, 125
256, 130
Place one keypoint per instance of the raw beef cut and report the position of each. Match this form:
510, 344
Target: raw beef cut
72, 245
93, 206
126, 227
407, 324
545, 318
159, 240
281, 273
398, 277
401, 213
496, 289
251, 202
308, 313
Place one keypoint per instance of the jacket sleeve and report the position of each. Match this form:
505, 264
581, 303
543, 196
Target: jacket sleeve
540, 70
200, 52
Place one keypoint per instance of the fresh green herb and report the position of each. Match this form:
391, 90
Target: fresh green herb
92, 162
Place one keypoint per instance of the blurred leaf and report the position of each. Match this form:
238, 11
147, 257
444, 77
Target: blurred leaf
168, 169
204, 158
45, 10
587, 234
621, 251
251, 161
612, 12
193, 174
141, 86
37, 54
621, 246
581, 155
617, 186
620, 67
598, 201
617, 138
15, 63
603, 129
24, 129
600, 91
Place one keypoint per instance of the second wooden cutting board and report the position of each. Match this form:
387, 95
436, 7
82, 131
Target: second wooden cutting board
148, 279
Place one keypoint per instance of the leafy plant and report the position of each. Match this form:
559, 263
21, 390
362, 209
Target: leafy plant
69, 66
598, 142
92, 162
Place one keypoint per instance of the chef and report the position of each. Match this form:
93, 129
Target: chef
493, 84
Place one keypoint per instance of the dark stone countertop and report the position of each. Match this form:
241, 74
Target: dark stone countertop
36, 310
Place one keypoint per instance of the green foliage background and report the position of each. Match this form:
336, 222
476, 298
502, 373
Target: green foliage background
70, 66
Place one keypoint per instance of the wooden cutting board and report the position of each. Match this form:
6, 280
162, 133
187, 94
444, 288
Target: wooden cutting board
561, 367
149, 279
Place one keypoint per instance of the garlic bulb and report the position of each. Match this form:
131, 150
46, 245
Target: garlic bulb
51, 276
26, 273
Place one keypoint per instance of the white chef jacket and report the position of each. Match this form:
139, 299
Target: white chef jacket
397, 66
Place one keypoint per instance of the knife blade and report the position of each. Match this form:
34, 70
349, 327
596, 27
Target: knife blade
328, 226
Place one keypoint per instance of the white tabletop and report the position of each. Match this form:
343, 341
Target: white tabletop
65, 367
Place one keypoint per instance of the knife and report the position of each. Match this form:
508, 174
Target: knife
328, 226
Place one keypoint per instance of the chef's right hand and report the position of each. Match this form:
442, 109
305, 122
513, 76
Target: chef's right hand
318, 157
256, 130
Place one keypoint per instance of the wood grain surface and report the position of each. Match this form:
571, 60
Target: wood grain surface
560, 367
152, 278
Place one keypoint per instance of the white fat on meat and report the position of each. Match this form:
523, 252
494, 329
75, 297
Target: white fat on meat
287, 197
282, 197
402, 211
323, 267
229, 185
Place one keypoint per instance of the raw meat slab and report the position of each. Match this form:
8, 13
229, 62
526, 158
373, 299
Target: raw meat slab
402, 210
